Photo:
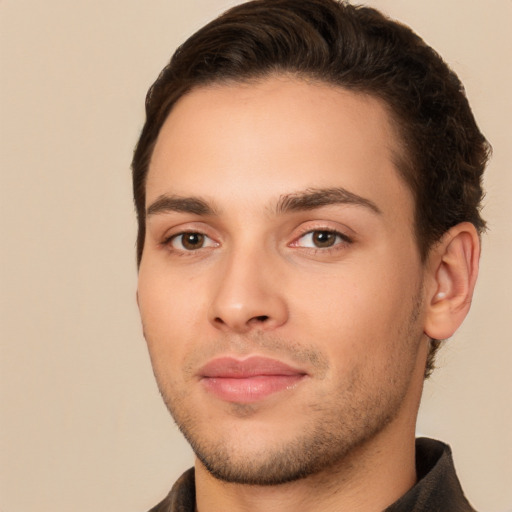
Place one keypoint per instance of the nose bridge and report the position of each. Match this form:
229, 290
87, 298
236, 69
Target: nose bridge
247, 293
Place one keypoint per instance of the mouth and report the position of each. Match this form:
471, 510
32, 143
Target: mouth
248, 380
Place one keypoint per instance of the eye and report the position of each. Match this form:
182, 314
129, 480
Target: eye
191, 241
321, 239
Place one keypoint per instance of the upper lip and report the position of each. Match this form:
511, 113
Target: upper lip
231, 367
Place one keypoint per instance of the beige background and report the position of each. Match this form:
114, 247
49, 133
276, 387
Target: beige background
82, 425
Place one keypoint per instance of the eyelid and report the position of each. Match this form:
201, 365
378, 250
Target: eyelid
341, 236
311, 227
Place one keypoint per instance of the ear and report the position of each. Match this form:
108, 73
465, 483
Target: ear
453, 269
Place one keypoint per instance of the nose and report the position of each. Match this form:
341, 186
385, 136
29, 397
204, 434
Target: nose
249, 295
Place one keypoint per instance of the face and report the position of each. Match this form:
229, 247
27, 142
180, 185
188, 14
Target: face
280, 287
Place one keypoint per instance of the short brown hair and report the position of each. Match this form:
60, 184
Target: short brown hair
359, 49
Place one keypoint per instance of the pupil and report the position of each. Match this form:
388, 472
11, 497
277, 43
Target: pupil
193, 240
323, 238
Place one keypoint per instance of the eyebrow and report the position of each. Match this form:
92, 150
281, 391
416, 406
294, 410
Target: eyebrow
308, 199
313, 198
194, 205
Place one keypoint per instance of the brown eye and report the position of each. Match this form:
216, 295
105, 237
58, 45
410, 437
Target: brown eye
193, 241
323, 238
189, 241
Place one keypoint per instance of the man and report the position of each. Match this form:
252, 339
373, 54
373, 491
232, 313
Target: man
308, 186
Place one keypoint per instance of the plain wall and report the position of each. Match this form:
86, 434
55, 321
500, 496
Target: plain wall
82, 426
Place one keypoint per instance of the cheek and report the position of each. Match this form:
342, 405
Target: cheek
165, 294
167, 308
362, 307
163, 310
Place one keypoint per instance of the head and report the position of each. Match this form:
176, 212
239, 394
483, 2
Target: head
442, 152
268, 51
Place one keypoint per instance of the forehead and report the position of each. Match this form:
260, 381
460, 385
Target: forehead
260, 140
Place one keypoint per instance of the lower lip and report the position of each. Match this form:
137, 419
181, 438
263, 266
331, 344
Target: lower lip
250, 389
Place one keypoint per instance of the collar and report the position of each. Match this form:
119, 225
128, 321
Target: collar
438, 488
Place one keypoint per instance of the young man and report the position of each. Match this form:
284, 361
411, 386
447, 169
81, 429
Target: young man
308, 185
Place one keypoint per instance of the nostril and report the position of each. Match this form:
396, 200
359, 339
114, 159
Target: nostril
243, 322
254, 319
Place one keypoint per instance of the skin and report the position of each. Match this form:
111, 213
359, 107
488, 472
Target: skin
336, 290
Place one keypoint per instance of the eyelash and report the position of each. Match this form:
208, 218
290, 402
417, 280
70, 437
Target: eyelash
167, 242
344, 240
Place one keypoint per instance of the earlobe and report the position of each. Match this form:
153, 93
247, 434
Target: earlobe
453, 264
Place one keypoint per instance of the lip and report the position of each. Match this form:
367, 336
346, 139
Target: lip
248, 380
